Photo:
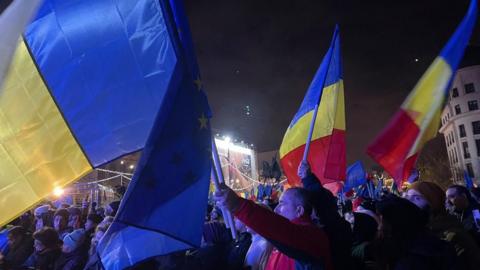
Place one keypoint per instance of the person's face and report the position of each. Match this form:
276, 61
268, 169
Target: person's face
38, 223
417, 198
287, 206
38, 246
59, 223
74, 221
89, 225
456, 200
214, 215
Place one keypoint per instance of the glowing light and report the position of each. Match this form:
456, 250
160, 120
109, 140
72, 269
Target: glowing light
122, 162
58, 191
227, 139
416, 60
131, 167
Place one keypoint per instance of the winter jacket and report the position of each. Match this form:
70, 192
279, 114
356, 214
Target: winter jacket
18, 253
44, 260
338, 230
299, 244
449, 229
71, 261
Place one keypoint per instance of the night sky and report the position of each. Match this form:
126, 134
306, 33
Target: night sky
264, 54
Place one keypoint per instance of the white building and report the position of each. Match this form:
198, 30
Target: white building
461, 118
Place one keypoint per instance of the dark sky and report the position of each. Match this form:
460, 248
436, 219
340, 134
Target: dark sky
264, 54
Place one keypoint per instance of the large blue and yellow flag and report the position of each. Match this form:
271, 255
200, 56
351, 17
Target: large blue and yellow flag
165, 204
85, 85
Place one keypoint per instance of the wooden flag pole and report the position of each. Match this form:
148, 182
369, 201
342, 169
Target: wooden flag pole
217, 180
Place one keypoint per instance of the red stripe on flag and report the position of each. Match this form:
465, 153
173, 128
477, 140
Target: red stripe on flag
320, 151
391, 147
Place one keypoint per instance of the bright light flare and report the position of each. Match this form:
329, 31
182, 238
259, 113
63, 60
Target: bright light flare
58, 191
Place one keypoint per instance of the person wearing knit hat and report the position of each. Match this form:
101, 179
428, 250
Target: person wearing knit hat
73, 240
427, 194
42, 216
112, 208
73, 256
429, 197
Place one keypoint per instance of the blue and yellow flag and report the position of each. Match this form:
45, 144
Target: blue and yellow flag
85, 85
164, 207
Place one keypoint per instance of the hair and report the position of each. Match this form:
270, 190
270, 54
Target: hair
74, 211
48, 237
63, 213
303, 198
464, 191
17, 232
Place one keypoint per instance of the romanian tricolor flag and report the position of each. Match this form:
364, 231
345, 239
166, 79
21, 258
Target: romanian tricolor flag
398, 146
84, 87
327, 149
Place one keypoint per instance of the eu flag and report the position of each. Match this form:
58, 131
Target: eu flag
163, 209
355, 176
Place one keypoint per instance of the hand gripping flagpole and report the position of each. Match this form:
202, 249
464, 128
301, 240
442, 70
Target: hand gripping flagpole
315, 111
217, 179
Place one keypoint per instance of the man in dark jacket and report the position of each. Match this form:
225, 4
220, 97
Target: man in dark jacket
47, 249
338, 230
299, 244
460, 203
20, 246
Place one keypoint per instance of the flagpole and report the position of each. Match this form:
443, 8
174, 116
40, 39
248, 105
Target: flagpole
315, 111
217, 179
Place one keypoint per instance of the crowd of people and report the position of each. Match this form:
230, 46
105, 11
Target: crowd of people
424, 228
56, 238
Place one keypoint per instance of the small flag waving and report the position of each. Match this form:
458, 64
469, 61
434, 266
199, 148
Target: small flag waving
356, 176
327, 149
398, 145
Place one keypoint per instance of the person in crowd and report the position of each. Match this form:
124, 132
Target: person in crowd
404, 241
237, 249
72, 257
213, 251
298, 242
460, 203
75, 218
43, 217
112, 208
259, 250
364, 232
93, 262
430, 197
20, 246
106, 221
48, 247
60, 222
93, 220
337, 228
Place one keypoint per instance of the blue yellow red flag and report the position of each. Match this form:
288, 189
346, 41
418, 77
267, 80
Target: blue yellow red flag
417, 121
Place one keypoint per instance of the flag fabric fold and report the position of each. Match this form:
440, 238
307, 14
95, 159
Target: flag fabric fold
84, 87
397, 147
468, 180
164, 207
327, 149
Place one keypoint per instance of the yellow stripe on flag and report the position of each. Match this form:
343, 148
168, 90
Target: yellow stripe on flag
425, 102
331, 114
37, 149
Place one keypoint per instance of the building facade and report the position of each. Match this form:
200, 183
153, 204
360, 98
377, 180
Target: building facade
460, 121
